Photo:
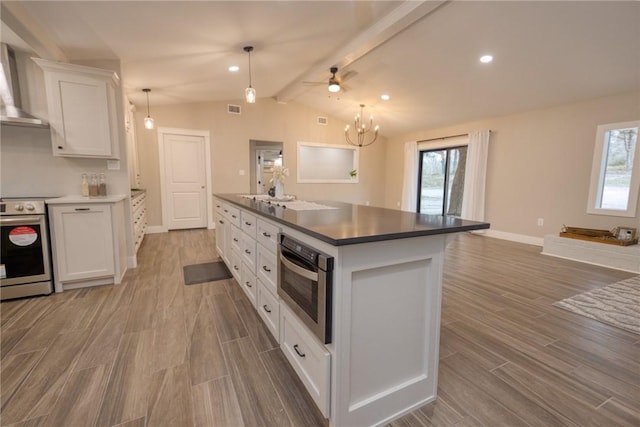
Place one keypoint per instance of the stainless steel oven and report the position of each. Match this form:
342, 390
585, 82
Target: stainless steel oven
25, 267
305, 284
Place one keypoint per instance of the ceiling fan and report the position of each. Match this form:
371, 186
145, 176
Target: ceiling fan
335, 83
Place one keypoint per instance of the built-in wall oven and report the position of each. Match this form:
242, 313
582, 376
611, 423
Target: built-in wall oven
25, 267
305, 284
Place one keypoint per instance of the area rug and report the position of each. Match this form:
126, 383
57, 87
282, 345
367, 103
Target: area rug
207, 272
617, 304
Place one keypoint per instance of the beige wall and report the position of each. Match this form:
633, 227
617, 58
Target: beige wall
266, 120
539, 165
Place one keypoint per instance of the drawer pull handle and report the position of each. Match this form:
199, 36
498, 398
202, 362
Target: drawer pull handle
266, 308
267, 269
295, 347
83, 209
221, 222
226, 210
235, 267
265, 234
247, 223
247, 251
248, 284
233, 216
235, 240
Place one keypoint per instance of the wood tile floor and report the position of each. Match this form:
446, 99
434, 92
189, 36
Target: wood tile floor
153, 352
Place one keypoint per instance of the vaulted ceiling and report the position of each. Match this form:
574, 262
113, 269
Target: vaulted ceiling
424, 55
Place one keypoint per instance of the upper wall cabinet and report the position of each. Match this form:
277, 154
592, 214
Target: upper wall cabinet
82, 109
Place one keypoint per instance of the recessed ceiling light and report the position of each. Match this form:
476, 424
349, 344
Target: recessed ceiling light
485, 59
385, 97
234, 68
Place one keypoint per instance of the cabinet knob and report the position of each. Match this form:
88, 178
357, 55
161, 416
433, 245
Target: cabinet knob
60, 147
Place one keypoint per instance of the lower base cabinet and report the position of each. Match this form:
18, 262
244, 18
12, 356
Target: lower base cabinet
310, 360
268, 308
249, 248
88, 244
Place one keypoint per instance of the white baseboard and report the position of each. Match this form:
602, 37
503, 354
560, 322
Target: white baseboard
132, 261
625, 258
155, 229
520, 238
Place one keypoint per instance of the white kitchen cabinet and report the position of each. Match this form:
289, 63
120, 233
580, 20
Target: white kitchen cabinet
310, 360
88, 243
82, 109
268, 307
138, 217
133, 162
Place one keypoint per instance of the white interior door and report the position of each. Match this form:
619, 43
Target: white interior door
185, 178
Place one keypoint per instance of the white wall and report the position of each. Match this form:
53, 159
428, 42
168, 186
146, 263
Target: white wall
266, 120
539, 164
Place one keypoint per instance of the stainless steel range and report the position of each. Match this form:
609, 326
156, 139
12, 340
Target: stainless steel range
25, 266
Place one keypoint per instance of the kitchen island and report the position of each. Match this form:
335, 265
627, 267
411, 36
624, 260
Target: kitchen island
382, 358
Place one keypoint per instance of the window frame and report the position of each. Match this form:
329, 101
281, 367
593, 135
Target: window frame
598, 169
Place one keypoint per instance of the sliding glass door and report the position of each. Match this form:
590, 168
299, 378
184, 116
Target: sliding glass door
441, 181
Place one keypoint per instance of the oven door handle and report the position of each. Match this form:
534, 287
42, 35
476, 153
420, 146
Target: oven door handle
311, 275
22, 220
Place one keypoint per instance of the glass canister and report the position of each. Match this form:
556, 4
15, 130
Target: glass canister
84, 186
102, 185
93, 185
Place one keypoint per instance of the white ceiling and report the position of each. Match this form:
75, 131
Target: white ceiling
546, 53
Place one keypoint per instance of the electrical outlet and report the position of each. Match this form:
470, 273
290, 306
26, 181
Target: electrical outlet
540, 222
113, 165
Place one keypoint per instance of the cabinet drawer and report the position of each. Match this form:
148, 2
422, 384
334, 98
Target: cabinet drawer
232, 213
248, 283
248, 246
267, 235
269, 309
236, 239
266, 269
236, 263
311, 360
217, 205
249, 223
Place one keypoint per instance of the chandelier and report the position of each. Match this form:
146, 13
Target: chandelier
362, 130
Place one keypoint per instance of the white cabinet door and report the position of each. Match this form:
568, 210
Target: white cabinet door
83, 242
82, 110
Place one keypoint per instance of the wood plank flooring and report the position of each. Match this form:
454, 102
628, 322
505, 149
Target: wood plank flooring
154, 352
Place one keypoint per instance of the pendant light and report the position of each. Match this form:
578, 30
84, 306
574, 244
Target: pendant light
250, 92
148, 121
362, 130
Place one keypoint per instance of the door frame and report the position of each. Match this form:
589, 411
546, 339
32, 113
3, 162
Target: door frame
162, 131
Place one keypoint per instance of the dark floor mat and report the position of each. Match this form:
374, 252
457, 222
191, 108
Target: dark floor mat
207, 272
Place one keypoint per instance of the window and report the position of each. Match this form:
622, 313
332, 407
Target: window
441, 180
615, 175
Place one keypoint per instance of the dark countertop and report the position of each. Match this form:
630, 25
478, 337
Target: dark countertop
353, 224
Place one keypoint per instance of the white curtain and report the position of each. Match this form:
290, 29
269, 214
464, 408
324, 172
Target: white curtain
475, 175
410, 177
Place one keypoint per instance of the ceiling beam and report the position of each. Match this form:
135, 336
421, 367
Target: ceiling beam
381, 31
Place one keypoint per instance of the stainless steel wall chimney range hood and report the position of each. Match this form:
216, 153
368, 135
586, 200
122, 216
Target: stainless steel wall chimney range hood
11, 112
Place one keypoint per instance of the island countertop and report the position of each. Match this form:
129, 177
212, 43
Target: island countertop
349, 224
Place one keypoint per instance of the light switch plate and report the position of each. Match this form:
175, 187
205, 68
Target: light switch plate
241, 172
113, 165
